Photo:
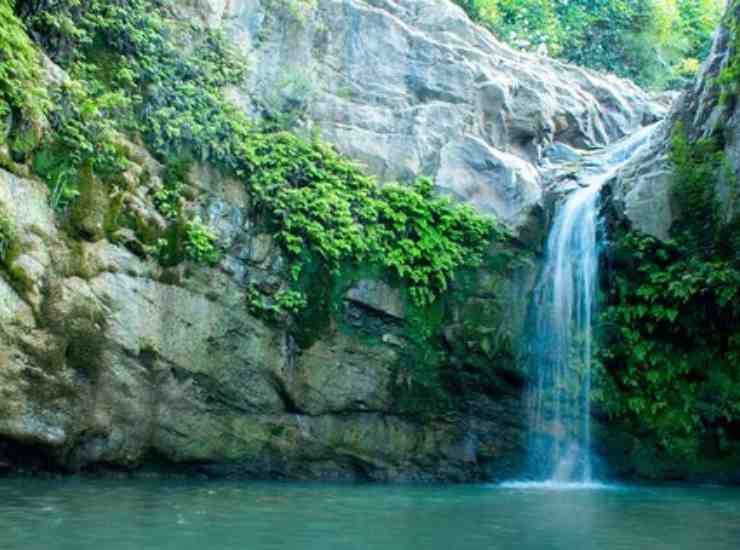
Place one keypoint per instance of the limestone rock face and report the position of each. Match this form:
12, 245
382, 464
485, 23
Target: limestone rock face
415, 88
109, 359
642, 188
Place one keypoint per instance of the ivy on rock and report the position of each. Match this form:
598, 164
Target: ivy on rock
138, 70
23, 99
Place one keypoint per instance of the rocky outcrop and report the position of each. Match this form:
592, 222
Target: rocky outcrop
414, 88
110, 359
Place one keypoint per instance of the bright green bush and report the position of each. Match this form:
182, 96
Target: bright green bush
322, 203
200, 244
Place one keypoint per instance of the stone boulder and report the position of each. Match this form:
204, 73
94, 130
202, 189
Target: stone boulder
415, 88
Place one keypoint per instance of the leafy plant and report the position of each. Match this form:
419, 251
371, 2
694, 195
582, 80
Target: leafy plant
23, 99
672, 364
277, 306
323, 203
201, 244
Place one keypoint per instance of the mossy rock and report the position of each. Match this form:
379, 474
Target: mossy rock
25, 140
10, 249
89, 212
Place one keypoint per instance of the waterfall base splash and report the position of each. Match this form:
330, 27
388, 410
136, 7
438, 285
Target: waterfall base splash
557, 486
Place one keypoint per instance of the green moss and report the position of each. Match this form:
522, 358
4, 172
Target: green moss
23, 100
114, 215
314, 320
27, 137
10, 249
170, 248
89, 212
729, 77
168, 199
699, 165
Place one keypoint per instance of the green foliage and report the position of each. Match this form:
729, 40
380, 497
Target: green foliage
275, 308
421, 378
729, 77
321, 202
168, 199
10, 249
657, 43
201, 242
23, 100
8, 240
674, 357
425, 239
84, 119
52, 164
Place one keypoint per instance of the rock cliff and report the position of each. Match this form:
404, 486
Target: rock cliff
413, 88
108, 359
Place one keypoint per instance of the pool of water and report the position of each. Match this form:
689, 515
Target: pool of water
155, 514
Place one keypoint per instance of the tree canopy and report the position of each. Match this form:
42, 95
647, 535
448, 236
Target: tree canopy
657, 43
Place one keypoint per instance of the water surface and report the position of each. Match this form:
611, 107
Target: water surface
155, 514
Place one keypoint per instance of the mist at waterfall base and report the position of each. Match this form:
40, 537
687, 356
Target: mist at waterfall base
561, 345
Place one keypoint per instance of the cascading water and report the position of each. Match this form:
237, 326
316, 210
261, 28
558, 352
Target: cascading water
561, 346
560, 432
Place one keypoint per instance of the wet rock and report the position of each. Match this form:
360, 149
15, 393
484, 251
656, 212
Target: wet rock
341, 373
379, 296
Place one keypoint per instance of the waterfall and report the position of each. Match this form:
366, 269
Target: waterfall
561, 345
560, 404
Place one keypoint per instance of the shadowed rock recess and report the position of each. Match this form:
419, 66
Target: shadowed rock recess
110, 360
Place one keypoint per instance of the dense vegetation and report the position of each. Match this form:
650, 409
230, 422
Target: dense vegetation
674, 312
138, 72
657, 43
675, 358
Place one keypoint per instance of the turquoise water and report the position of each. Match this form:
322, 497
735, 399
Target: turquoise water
155, 514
